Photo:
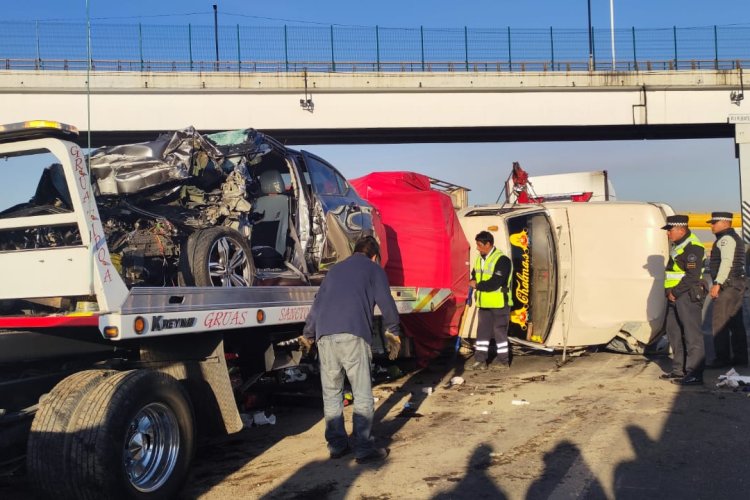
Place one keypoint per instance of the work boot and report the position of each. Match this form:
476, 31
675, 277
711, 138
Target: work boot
478, 366
341, 453
499, 366
689, 380
376, 455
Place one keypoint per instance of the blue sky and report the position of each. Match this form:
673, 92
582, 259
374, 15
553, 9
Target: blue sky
640, 170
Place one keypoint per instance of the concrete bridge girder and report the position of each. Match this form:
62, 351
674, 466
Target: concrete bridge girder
372, 107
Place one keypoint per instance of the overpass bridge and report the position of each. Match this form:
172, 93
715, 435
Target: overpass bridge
382, 107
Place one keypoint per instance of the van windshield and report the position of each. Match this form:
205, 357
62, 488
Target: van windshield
534, 282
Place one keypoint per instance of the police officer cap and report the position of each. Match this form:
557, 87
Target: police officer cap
717, 216
676, 220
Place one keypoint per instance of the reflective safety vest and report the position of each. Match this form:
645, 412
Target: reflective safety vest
483, 270
676, 273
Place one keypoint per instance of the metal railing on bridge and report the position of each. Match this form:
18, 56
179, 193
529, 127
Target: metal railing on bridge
201, 48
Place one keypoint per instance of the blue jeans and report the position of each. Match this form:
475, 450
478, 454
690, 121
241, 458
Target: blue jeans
345, 354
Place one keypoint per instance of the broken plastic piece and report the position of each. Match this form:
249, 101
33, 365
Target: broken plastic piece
293, 374
457, 381
519, 402
260, 418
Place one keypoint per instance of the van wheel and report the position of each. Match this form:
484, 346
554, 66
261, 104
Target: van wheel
134, 438
219, 256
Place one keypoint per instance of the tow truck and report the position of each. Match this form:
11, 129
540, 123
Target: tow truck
107, 392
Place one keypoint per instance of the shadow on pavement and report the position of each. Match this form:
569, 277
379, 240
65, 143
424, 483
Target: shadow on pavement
477, 483
564, 460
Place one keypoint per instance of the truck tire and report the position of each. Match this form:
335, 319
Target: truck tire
49, 437
133, 437
219, 256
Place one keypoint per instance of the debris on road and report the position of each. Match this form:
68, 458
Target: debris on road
456, 381
519, 402
732, 379
260, 418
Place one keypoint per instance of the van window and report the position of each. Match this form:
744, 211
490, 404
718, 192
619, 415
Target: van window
534, 282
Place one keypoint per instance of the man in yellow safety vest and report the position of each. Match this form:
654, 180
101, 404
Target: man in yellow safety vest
686, 292
490, 279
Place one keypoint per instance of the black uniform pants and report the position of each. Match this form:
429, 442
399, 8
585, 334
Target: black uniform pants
493, 323
685, 336
727, 324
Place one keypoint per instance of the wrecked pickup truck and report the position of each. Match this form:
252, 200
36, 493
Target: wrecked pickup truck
584, 274
227, 209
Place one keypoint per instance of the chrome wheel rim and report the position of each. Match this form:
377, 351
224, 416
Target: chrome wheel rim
152, 444
228, 264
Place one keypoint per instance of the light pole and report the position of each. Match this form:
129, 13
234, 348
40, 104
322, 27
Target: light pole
216, 35
591, 41
612, 29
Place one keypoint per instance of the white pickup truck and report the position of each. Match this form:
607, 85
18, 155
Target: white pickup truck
583, 273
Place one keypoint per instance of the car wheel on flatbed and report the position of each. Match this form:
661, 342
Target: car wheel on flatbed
130, 436
218, 256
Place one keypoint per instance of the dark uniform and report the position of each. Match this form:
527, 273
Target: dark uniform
727, 266
686, 291
492, 274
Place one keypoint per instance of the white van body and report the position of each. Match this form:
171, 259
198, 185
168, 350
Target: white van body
583, 273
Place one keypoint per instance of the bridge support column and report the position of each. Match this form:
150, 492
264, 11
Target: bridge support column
742, 145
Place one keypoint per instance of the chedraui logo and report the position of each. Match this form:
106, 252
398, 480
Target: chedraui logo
520, 316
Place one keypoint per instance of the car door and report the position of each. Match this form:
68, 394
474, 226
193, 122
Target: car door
347, 216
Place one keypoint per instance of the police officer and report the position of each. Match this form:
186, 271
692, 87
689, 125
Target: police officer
490, 278
727, 266
683, 286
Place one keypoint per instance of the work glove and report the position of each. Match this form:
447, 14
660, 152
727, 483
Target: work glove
305, 344
392, 345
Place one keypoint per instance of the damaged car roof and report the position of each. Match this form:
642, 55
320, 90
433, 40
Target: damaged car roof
132, 168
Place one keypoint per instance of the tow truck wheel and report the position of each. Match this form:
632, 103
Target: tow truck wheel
49, 436
133, 438
220, 256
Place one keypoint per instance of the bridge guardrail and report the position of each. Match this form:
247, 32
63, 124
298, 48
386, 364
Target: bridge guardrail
250, 66
54, 45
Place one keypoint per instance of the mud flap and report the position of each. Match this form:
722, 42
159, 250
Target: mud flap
198, 361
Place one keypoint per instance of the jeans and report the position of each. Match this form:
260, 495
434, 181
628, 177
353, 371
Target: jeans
345, 354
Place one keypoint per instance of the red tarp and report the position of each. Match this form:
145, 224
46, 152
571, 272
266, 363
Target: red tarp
426, 248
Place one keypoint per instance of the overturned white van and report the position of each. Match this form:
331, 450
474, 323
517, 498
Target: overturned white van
583, 273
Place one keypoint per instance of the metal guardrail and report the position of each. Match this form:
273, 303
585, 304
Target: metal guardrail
249, 66
48, 45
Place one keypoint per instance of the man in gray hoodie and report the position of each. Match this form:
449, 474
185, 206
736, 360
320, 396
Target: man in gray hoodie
340, 321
